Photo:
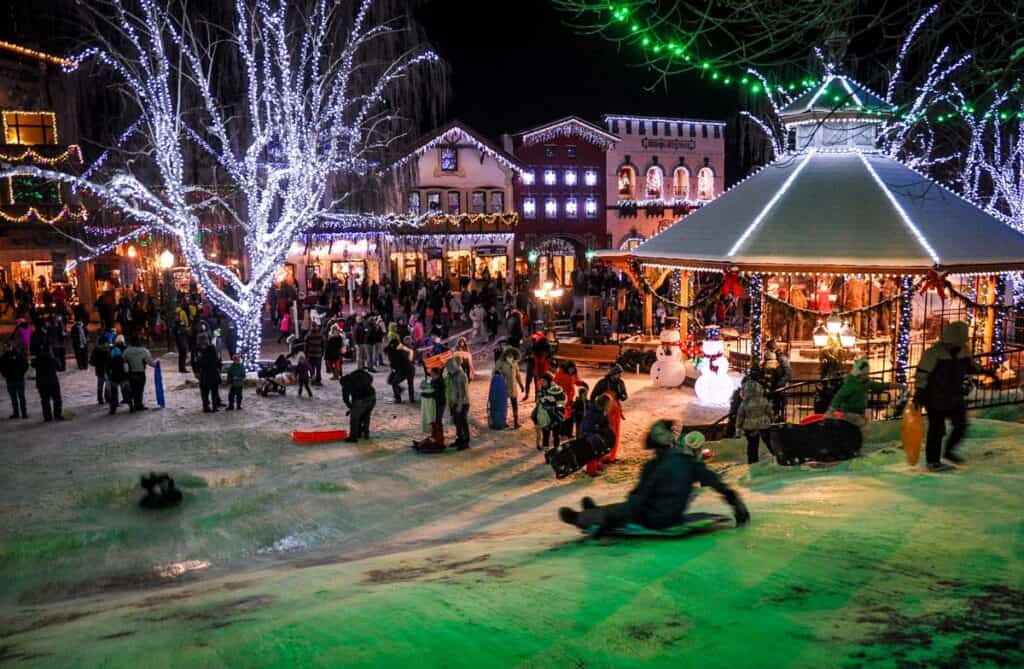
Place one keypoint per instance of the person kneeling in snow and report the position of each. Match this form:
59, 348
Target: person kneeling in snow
663, 493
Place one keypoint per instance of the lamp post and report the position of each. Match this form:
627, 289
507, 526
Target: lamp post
836, 340
548, 293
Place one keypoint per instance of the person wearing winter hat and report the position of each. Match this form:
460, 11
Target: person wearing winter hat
852, 398
615, 389
753, 417
660, 498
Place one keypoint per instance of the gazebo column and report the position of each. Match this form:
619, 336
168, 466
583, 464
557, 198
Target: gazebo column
906, 302
648, 311
997, 342
756, 317
684, 298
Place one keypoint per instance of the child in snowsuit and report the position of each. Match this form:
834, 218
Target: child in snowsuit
852, 398
236, 380
303, 371
753, 417
549, 412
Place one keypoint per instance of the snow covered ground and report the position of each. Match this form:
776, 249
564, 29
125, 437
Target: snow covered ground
371, 555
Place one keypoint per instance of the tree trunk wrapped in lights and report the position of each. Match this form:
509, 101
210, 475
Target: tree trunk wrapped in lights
321, 89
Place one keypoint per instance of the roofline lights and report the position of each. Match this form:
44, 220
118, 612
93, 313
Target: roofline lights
659, 119
771, 203
821, 89
903, 214
849, 90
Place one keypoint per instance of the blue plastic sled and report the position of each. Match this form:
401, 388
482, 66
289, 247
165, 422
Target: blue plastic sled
158, 384
497, 403
693, 523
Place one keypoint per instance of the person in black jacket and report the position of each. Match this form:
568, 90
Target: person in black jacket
99, 358
314, 349
402, 369
48, 385
209, 366
13, 365
181, 337
660, 498
359, 396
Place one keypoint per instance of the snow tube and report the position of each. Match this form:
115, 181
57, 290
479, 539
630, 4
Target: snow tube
319, 437
692, 523
815, 417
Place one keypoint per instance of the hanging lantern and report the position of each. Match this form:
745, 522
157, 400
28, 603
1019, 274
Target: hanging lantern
834, 324
847, 337
820, 336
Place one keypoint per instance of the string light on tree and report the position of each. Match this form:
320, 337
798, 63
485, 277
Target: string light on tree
903, 333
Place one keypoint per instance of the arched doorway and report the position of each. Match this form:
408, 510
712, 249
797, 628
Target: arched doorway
556, 261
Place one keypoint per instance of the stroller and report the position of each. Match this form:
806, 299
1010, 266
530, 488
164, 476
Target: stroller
275, 376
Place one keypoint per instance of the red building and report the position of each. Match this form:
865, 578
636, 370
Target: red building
560, 197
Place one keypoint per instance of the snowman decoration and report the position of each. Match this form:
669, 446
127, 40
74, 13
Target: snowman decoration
714, 387
668, 371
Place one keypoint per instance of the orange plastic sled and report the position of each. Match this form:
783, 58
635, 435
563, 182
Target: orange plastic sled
320, 437
815, 417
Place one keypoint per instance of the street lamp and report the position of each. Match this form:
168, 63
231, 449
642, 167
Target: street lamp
166, 262
548, 293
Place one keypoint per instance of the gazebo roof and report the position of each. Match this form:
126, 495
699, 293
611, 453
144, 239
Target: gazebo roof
838, 212
836, 92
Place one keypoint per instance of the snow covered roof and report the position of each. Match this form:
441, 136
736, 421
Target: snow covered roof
567, 127
835, 93
839, 212
458, 133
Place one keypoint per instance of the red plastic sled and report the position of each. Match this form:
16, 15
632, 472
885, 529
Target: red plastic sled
815, 417
320, 437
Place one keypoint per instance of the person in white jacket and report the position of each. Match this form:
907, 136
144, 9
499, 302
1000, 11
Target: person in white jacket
477, 315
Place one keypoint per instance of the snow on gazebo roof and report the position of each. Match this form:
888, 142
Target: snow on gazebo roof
570, 126
836, 93
841, 212
458, 133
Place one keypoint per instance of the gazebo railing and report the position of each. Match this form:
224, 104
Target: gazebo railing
798, 399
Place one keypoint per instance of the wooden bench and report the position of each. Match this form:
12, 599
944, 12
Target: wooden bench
595, 354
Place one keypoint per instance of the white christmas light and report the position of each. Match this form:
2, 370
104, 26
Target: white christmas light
570, 127
899, 209
771, 203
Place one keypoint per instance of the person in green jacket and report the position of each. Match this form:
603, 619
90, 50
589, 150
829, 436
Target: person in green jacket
236, 379
852, 398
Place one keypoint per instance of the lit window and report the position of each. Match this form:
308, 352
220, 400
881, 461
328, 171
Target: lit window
33, 191
449, 159
627, 177
630, 243
590, 207
454, 202
572, 208
654, 182
529, 178
550, 177
570, 177
414, 202
529, 207
434, 201
705, 183
30, 128
479, 201
590, 178
681, 183
550, 207
497, 202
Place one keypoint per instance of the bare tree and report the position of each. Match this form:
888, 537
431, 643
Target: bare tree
318, 103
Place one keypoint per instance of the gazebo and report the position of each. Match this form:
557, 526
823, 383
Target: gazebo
836, 242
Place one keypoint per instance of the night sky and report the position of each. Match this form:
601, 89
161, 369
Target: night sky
515, 65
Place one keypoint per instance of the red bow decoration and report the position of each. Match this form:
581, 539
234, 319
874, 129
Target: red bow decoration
731, 283
936, 280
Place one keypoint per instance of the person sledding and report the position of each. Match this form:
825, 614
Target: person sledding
549, 412
852, 398
660, 499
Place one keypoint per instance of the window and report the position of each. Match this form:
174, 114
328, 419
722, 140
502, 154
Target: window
497, 202
590, 178
30, 128
631, 242
627, 177
549, 152
550, 177
414, 202
681, 183
434, 201
454, 202
718, 132
479, 202
704, 130
668, 129
572, 208
33, 191
570, 152
449, 159
705, 183
693, 130
529, 178
654, 183
654, 128
791, 139
590, 207
550, 207
629, 127
679, 129
643, 128
571, 177
615, 127
529, 207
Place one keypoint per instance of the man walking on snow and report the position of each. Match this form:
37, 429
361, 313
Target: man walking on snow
663, 493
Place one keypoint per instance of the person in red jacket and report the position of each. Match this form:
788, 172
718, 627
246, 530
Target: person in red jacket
541, 349
567, 378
